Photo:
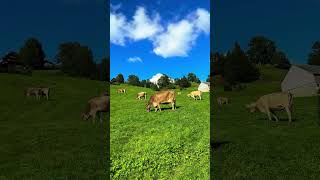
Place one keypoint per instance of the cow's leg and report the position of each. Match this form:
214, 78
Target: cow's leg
94, 117
269, 114
274, 116
200, 97
289, 114
159, 107
100, 117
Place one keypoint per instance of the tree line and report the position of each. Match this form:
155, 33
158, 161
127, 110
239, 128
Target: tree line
164, 81
72, 58
238, 66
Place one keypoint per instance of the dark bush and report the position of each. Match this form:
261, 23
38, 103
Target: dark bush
227, 87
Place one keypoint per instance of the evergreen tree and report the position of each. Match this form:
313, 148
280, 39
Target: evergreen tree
133, 80
314, 56
32, 54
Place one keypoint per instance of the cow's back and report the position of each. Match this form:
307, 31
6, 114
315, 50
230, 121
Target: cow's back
276, 99
163, 96
99, 103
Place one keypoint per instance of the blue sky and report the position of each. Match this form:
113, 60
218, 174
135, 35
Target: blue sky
54, 22
161, 36
292, 24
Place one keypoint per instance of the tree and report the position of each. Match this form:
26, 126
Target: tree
183, 82
165, 83
280, 60
76, 60
193, 78
261, 50
208, 78
133, 80
103, 72
238, 68
120, 79
113, 81
10, 57
217, 61
154, 87
32, 54
314, 56
145, 83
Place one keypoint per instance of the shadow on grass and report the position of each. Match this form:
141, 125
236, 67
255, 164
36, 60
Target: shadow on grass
168, 108
216, 145
280, 119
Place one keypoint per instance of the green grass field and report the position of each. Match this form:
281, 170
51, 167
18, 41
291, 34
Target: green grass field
48, 139
250, 148
161, 145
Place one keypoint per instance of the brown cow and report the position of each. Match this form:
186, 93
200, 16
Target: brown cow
162, 97
222, 100
195, 94
142, 95
121, 91
96, 104
271, 102
44, 91
32, 92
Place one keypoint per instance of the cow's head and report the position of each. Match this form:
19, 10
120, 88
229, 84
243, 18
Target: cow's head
148, 107
85, 116
251, 107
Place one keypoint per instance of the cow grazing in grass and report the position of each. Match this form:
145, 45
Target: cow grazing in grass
96, 105
142, 95
223, 100
121, 91
269, 103
162, 97
32, 91
44, 91
195, 95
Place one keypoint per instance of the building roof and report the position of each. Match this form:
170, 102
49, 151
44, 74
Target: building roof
310, 68
207, 83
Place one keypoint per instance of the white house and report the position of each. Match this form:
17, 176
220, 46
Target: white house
204, 87
156, 77
302, 80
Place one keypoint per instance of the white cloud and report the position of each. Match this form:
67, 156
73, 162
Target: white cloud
117, 28
202, 21
175, 40
135, 59
181, 36
155, 79
115, 7
142, 26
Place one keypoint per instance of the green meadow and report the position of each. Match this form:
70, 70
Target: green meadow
159, 145
48, 139
248, 146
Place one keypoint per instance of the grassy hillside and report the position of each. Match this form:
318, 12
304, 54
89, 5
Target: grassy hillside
165, 145
248, 147
48, 139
